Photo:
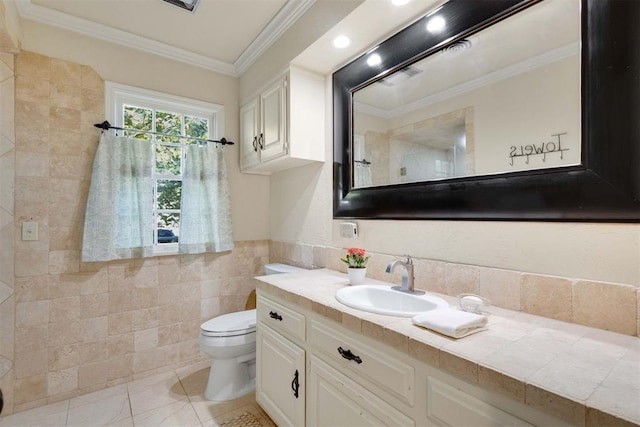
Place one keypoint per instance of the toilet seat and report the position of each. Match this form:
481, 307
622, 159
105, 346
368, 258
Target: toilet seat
229, 325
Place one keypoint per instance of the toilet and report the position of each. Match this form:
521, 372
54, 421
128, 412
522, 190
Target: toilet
230, 341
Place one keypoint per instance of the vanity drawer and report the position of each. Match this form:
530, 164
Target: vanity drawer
449, 406
373, 365
282, 319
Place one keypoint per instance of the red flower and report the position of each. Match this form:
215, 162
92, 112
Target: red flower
356, 258
357, 252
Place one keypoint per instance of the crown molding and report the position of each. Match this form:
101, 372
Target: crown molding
285, 17
487, 79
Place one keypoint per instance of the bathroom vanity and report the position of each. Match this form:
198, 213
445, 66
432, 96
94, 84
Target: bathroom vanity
322, 363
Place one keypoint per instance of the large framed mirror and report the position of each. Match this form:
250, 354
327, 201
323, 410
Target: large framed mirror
494, 110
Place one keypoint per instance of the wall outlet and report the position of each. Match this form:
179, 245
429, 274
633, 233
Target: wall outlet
29, 230
349, 230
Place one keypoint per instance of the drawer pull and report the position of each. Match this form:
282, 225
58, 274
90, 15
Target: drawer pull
275, 315
295, 385
349, 356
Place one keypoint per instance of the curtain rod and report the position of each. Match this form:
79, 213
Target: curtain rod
106, 126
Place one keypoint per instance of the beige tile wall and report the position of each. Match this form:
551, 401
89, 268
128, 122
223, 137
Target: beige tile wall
7, 170
80, 327
609, 306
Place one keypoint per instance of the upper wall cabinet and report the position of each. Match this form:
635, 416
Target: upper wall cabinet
283, 125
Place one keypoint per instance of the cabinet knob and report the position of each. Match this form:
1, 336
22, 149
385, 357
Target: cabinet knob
261, 141
347, 354
255, 143
275, 315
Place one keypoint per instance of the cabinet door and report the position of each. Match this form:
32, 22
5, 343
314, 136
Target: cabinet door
280, 386
249, 154
273, 113
336, 400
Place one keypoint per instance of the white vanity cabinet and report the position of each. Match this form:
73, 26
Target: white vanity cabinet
354, 380
310, 373
283, 125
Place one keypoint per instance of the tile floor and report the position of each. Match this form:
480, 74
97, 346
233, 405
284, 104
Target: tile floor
168, 399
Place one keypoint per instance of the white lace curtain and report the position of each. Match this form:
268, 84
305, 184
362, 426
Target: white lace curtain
119, 218
361, 170
205, 218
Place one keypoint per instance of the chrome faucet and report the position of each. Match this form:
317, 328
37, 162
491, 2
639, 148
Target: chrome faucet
407, 275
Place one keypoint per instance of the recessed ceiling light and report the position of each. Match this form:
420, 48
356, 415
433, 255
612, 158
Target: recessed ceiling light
374, 60
189, 5
399, 2
341, 42
436, 24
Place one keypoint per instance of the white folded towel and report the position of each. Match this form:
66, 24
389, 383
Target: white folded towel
451, 322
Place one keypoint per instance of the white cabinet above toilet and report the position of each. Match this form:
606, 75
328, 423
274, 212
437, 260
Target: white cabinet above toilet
282, 126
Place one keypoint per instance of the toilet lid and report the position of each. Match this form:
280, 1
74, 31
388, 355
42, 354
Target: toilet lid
238, 323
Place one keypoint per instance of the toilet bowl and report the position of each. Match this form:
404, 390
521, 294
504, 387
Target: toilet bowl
230, 341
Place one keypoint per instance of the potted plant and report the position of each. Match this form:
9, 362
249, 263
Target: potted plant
356, 259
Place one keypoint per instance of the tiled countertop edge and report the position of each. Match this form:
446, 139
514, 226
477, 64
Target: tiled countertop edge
438, 351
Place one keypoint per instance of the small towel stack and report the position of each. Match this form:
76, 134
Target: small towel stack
451, 322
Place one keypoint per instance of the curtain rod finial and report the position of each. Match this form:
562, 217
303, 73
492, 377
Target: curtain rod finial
104, 125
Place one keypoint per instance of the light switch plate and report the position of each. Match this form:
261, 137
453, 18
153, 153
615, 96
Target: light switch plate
29, 230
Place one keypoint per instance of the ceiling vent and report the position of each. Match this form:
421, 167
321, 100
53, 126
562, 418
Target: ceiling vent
189, 5
399, 76
458, 46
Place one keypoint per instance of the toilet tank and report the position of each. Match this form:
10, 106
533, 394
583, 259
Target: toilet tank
281, 268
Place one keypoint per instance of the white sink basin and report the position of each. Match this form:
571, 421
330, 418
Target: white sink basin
384, 300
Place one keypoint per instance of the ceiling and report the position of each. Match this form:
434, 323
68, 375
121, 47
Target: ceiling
225, 36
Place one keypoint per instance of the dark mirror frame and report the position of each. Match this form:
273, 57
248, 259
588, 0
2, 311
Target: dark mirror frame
604, 188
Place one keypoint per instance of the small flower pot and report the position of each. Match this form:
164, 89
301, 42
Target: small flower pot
356, 275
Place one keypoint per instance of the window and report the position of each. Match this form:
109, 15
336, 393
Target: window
170, 117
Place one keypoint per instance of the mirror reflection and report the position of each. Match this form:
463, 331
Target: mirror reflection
504, 99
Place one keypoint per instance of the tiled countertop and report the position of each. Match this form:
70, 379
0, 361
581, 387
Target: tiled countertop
583, 375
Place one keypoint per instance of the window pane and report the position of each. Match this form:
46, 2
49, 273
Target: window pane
169, 192
138, 118
168, 123
196, 127
167, 159
168, 228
